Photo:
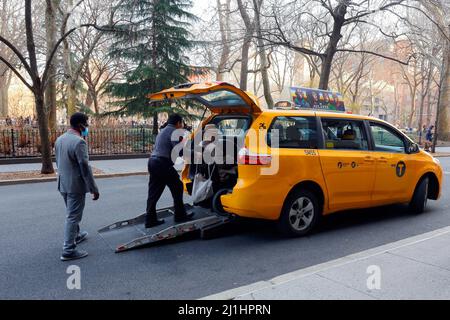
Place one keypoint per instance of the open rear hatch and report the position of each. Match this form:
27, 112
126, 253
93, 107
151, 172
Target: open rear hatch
219, 97
232, 110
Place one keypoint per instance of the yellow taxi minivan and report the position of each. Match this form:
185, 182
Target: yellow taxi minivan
326, 162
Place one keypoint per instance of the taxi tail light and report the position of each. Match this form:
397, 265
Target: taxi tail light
245, 157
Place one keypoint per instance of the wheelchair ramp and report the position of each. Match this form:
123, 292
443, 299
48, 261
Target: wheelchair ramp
131, 234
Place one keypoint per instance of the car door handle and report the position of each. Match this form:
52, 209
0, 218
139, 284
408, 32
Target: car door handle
369, 159
383, 160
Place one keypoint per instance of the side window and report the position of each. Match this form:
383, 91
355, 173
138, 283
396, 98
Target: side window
386, 139
294, 132
344, 134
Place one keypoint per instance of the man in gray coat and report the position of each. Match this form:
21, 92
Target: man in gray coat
75, 180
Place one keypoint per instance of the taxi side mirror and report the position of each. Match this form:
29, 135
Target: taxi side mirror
413, 148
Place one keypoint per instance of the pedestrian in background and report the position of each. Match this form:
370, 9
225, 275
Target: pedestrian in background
75, 180
429, 138
422, 134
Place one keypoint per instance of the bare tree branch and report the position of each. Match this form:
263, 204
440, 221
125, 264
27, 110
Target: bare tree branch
17, 73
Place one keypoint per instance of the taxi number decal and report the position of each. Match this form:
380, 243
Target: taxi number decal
342, 165
310, 153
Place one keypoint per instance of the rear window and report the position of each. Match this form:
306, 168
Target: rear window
232, 126
294, 132
223, 98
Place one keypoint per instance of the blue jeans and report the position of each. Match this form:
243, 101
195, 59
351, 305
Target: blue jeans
74, 213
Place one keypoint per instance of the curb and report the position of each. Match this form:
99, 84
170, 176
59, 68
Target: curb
54, 179
440, 155
5, 161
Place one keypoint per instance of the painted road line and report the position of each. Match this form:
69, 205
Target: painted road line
252, 288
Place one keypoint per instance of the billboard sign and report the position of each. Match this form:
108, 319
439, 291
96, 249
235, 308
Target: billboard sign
305, 98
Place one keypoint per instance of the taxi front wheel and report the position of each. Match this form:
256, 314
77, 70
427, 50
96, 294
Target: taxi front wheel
420, 197
300, 214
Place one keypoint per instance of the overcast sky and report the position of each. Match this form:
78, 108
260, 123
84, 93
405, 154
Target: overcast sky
200, 8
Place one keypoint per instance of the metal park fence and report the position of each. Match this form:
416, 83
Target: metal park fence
25, 143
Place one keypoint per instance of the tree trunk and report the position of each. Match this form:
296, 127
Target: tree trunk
244, 63
266, 81
50, 92
71, 98
423, 94
89, 98
249, 31
155, 130
96, 105
224, 22
155, 124
326, 71
47, 164
327, 60
429, 108
5, 82
413, 93
421, 108
263, 57
68, 70
444, 101
38, 91
5, 74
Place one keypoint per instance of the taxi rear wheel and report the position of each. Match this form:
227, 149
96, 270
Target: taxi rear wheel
420, 198
300, 213
217, 203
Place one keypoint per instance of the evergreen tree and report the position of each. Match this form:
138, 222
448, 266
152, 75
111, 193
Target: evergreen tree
153, 40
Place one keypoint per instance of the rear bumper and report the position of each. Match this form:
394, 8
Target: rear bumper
260, 200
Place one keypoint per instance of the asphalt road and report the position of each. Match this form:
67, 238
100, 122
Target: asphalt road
31, 231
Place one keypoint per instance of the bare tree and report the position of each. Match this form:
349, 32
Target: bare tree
351, 72
262, 55
249, 23
35, 79
413, 75
282, 69
10, 27
97, 73
223, 8
85, 41
440, 11
50, 92
328, 21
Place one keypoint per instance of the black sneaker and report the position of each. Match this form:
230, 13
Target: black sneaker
187, 217
81, 237
77, 254
154, 223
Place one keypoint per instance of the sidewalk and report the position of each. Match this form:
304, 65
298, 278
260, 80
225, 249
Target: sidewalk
106, 166
442, 152
413, 268
102, 169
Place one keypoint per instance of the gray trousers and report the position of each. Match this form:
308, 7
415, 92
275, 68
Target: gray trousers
74, 213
